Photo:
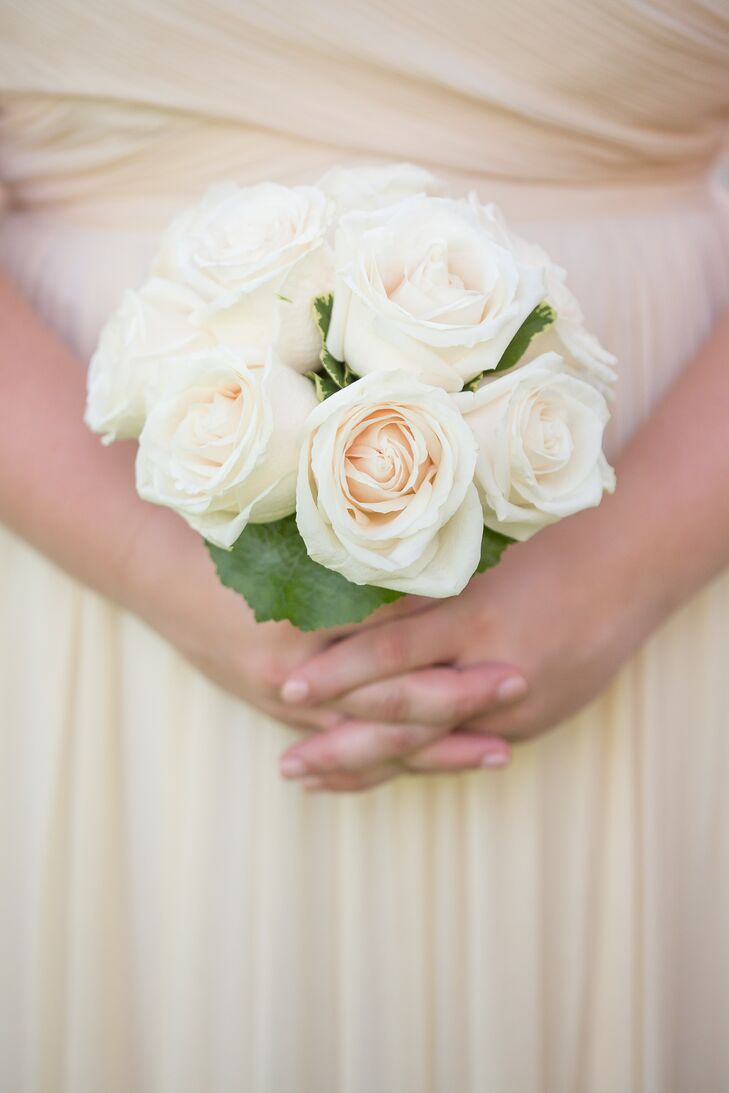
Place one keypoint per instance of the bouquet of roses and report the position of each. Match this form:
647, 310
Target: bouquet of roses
354, 390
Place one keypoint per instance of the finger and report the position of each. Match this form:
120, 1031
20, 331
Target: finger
454, 753
520, 721
356, 745
351, 781
460, 751
441, 695
391, 649
317, 719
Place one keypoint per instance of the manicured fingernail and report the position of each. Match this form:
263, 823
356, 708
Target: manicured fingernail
292, 767
295, 690
495, 759
511, 688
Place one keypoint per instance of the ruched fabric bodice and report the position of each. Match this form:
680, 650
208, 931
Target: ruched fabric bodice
174, 918
116, 99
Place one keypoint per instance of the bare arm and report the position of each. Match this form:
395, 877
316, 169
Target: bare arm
76, 502
62, 490
673, 500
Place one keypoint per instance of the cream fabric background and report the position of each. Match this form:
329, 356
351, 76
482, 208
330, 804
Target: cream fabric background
173, 917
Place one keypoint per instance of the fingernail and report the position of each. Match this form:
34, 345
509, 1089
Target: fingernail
294, 690
511, 688
495, 759
292, 767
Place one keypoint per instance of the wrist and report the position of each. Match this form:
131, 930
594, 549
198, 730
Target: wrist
158, 568
629, 575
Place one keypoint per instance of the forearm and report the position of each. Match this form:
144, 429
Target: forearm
75, 500
60, 488
666, 528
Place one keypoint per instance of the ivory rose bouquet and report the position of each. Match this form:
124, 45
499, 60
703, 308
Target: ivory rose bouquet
354, 390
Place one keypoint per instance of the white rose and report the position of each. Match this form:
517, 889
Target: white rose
368, 188
539, 432
148, 327
256, 256
237, 239
221, 444
284, 320
385, 493
430, 286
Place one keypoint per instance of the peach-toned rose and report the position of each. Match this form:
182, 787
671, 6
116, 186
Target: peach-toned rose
385, 493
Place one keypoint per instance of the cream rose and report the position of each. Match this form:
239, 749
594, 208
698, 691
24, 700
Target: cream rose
369, 188
539, 432
148, 328
385, 492
430, 286
256, 256
221, 444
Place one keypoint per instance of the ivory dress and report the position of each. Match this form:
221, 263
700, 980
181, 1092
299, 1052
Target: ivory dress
173, 917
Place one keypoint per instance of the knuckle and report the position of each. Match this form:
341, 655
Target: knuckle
270, 672
461, 703
453, 700
329, 752
403, 738
391, 646
394, 704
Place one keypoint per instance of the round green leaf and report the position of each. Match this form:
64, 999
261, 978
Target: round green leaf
270, 568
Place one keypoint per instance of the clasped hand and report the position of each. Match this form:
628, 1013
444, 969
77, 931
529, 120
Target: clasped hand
453, 684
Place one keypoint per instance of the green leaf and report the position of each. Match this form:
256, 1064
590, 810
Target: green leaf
323, 384
333, 368
338, 372
323, 313
270, 568
536, 321
284, 299
493, 545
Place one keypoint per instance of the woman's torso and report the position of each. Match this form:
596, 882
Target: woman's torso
114, 101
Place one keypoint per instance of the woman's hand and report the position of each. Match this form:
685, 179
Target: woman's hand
568, 607
171, 582
555, 606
